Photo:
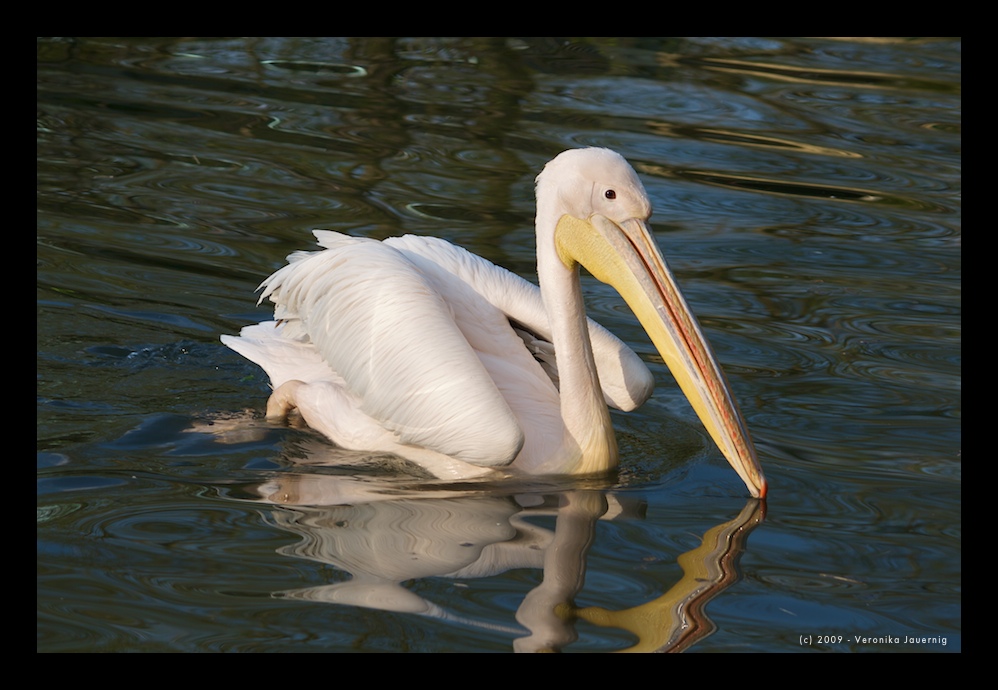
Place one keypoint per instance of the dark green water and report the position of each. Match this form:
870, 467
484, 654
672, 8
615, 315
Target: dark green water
806, 194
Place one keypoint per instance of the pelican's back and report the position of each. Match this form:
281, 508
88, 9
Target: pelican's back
382, 326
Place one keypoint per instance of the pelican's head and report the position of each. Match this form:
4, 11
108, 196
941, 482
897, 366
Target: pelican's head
594, 209
581, 182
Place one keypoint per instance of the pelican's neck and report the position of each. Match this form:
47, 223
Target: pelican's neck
583, 410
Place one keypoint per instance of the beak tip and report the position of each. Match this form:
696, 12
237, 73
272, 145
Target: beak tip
763, 488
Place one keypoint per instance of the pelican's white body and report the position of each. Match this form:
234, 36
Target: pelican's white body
406, 346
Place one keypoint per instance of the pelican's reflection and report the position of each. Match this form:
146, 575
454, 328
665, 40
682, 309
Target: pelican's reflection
386, 532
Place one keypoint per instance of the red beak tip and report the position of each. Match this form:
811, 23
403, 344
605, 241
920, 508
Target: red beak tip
764, 489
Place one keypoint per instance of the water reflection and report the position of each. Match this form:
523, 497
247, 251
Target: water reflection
386, 531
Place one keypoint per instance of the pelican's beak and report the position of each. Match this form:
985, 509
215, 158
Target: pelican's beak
626, 257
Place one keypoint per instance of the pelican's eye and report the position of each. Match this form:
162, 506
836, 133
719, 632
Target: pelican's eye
610, 194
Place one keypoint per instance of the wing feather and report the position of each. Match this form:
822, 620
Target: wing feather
383, 326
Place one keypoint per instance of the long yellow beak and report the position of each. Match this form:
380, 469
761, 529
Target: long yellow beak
626, 257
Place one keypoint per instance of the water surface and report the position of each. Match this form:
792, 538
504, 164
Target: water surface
806, 194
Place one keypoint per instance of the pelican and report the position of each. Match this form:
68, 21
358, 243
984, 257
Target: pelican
415, 347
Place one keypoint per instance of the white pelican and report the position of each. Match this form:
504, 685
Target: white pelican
415, 347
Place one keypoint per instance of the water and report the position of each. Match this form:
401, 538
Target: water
806, 194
